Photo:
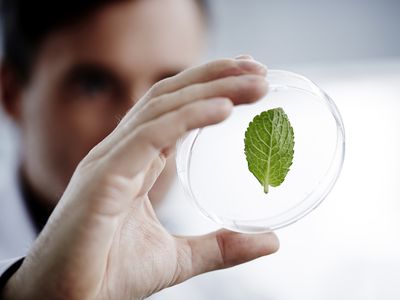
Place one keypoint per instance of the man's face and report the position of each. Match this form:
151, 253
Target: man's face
88, 75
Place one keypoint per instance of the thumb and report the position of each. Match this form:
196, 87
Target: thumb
223, 249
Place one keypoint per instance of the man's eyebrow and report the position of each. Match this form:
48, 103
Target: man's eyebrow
83, 70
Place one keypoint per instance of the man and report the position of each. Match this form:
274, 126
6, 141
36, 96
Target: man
91, 86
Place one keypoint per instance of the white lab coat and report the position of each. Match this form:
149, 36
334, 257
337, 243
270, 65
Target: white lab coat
16, 229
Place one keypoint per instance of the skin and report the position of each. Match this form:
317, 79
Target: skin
87, 76
103, 240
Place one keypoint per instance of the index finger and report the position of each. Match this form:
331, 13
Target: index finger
208, 72
200, 74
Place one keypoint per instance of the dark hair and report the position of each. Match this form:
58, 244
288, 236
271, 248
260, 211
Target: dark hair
26, 23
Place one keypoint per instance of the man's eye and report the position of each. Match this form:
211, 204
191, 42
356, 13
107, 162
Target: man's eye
94, 83
94, 86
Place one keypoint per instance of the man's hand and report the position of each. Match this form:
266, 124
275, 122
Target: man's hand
104, 241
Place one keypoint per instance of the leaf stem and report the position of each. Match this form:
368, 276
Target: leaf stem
266, 188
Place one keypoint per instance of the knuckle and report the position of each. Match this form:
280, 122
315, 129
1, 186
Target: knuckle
184, 114
230, 65
234, 83
194, 113
153, 103
195, 90
159, 86
148, 135
181, 128
180, 94
189, 92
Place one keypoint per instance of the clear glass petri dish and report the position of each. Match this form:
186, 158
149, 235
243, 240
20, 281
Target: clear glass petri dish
214, 174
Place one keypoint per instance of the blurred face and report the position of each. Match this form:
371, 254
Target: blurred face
88, 75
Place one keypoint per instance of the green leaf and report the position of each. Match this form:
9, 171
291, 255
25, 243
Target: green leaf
269, 147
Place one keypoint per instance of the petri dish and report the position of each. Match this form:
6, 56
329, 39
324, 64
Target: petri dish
214, 174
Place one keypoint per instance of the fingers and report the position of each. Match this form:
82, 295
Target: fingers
217, 79
239, 89
134, 153
222, 249
200, 74
207, 72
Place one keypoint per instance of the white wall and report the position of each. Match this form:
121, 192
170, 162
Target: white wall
283, 32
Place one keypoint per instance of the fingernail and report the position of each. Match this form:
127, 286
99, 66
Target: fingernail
244, 56
252, 66
254, 78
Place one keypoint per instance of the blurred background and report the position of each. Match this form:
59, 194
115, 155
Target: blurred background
349, 248
283, 33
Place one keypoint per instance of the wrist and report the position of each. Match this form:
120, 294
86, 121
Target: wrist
11, 290
7, 292
7, 280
